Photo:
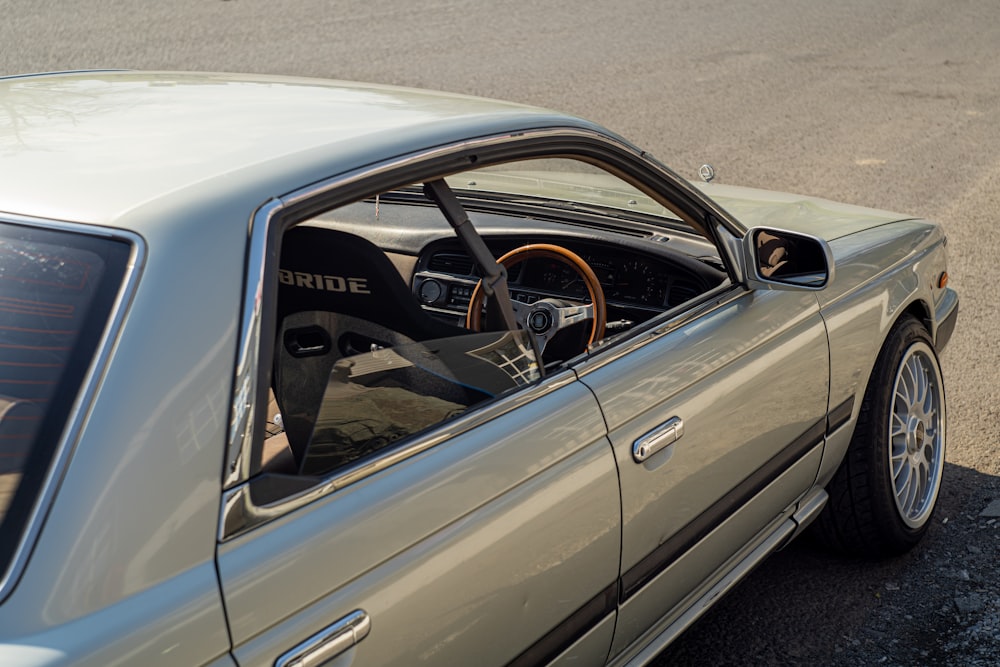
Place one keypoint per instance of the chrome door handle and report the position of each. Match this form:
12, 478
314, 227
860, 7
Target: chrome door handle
328, 642
659, 438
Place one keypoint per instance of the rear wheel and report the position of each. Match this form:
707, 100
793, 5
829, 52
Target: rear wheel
885, 491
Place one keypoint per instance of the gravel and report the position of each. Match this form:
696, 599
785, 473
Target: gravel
953, 589
938, 605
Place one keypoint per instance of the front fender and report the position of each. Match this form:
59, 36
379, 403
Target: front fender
881, 273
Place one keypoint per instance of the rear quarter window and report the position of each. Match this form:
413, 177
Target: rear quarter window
57, 290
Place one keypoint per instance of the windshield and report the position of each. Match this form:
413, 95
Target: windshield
56, 292
560, 179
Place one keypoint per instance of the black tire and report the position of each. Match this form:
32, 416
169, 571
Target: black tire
884, 493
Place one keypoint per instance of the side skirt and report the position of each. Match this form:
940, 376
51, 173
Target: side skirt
782, 534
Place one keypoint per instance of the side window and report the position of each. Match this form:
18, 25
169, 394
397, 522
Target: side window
57, 290
360, 366
376, 398
383, 329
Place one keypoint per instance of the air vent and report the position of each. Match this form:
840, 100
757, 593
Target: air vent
452, 263
681, 291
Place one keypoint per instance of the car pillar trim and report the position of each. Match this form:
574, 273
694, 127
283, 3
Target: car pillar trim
353, 185
349, 186
245, 389
683, 540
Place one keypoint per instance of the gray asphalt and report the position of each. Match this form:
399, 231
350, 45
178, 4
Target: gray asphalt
892, 104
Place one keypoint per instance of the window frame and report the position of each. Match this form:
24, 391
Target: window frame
240, 513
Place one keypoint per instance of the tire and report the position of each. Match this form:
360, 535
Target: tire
884, 493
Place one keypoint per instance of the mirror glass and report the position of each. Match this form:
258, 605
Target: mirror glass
793, 259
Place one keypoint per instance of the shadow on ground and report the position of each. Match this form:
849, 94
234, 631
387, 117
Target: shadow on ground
928, 607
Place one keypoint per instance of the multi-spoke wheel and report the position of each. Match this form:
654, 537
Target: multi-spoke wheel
883, 495
916, 433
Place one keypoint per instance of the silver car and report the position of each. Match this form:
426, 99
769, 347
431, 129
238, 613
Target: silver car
301, 372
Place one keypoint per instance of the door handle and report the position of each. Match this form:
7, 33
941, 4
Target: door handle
659, 438
329, 642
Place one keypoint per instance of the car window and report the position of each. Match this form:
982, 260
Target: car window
560, 179
56, 292
376, 398
383, 330
359, 366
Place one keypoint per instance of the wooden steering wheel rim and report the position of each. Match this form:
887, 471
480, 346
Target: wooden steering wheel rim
474, 316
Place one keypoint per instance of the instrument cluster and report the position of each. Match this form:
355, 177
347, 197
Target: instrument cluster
632, 279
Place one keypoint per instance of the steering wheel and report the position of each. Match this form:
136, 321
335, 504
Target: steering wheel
546, 317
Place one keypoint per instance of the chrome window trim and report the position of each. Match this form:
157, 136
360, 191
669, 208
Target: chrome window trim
237, 510
88, 388
241, 423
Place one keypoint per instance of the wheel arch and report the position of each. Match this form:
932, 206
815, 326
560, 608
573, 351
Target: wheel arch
915, 307
864, 487
839, 435
919, 309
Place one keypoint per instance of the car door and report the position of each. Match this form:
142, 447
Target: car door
491, 539
734, 395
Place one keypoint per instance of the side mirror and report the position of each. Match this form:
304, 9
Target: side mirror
779, 259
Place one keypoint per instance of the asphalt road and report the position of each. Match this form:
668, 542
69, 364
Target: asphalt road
892, 104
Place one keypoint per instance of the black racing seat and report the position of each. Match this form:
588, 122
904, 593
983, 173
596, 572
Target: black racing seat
330, 270
338, 295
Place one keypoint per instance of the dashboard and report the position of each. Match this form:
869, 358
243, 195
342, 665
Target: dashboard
644, 269
636, 285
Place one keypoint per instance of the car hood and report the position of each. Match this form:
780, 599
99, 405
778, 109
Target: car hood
811, 215
751, 207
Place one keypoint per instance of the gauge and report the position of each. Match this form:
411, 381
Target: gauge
604, 270
430, 290
642, 282
553, 277
634, 281
559, 278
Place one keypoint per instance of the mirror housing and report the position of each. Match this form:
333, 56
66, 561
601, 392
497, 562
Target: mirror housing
783, 260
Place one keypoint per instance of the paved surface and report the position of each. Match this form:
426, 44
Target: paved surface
891, 104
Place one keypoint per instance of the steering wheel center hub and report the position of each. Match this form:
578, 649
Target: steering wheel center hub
539, 321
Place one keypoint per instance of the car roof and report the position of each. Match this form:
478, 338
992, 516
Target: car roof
97, 146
